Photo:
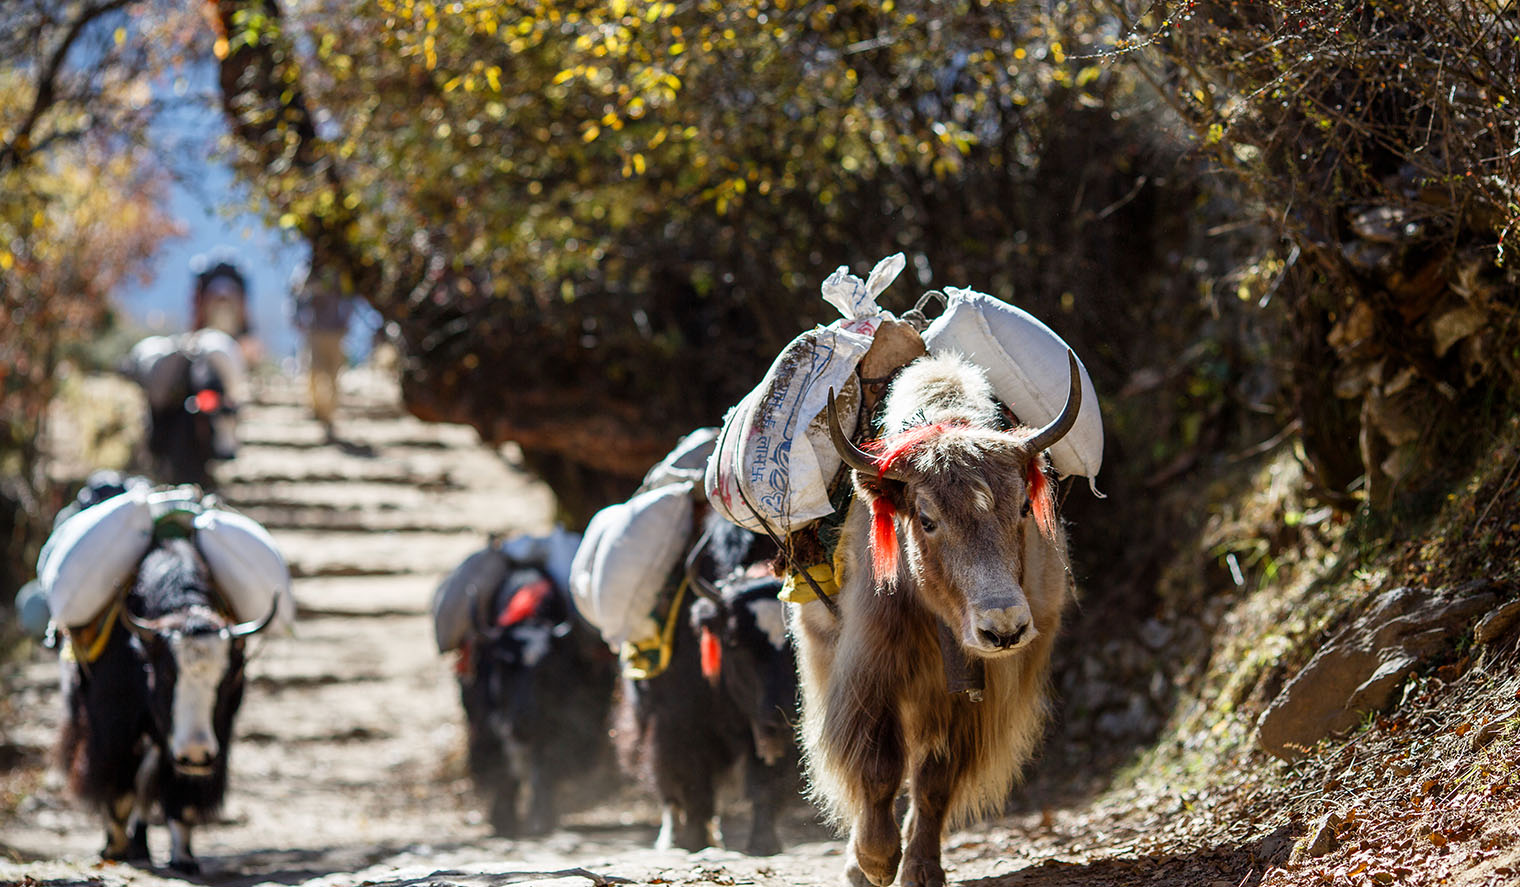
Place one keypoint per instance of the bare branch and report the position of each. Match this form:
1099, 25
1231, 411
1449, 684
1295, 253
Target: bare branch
19, 147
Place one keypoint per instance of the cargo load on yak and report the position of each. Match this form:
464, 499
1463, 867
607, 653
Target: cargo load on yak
460, 601
774, 462
776, 470
91, 558
625, 579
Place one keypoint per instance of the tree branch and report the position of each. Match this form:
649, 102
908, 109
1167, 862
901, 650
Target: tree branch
19, 147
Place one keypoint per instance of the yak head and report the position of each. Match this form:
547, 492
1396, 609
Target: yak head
194, 662
514, 633
954, 500
745, 652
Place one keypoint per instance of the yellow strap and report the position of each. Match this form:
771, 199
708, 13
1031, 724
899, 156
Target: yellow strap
650, 657
93, 635
796, 590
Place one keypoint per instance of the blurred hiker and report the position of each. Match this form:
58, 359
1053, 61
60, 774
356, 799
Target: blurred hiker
322, 312
219, 300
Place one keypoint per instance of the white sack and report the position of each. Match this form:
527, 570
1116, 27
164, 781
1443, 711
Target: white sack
246, 565
1026, 363
224, 354
90, 555
476, 578
774, 456
629, 551
686, 461
157, 365
554, 553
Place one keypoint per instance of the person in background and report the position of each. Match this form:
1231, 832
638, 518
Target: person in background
219, 300
322, 313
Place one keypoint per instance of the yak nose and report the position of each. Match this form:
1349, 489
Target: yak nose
1006, 628
198, 752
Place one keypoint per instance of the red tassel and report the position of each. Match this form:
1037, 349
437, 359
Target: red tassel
712, 655
462, 660
525, 602
1041, 497
883, 541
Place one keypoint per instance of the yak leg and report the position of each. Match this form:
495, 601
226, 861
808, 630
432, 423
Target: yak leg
542, 814
929, 792
137, 824
875, 843
118, 841
181, 858
763, 786
503, 794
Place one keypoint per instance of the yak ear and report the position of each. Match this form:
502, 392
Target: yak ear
870, 487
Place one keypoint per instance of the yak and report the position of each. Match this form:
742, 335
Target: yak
728, 695
192, 414
952, 581
150, 720
536, 683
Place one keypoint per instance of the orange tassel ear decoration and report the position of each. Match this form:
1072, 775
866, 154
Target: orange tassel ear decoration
1041, 497
883, 541
712, 655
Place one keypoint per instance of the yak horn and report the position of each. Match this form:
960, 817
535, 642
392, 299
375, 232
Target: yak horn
244, 629
694, 577
142, 629
852, 455
1051, 434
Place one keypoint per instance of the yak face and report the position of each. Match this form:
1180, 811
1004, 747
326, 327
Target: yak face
955, 500
746, 652
959, 522
195, 667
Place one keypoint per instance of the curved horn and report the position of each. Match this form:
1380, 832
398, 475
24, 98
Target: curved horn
852, 455
142, 629
244, 629
1048, 436
694, 577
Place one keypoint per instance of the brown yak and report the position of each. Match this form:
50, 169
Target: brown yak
952, 572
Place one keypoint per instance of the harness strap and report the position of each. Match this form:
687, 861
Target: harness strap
649, 658
87, 642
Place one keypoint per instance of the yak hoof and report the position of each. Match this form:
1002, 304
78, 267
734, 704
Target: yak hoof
863, 873
919, 871
763, 845
189, 865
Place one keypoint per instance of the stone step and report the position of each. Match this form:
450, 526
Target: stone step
319, 517
360, 436
335, 553
322, 597
267, 465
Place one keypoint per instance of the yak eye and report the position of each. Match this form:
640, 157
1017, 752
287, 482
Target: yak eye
1028, 507
927, 522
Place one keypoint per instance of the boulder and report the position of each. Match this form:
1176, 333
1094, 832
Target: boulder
1359, 669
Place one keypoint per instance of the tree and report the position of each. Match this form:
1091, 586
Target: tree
80, 214
596, 224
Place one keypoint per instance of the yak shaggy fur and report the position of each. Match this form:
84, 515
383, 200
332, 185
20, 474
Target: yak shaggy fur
876, 709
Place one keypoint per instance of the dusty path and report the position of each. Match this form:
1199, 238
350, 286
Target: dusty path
348, 769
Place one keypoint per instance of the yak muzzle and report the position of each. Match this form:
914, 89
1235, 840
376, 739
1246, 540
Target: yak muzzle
1000, 631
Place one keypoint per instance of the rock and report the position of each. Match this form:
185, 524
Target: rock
1322, 838
1360, 668
1497, 623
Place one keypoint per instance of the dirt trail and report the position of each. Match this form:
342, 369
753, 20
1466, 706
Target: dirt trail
347, 768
